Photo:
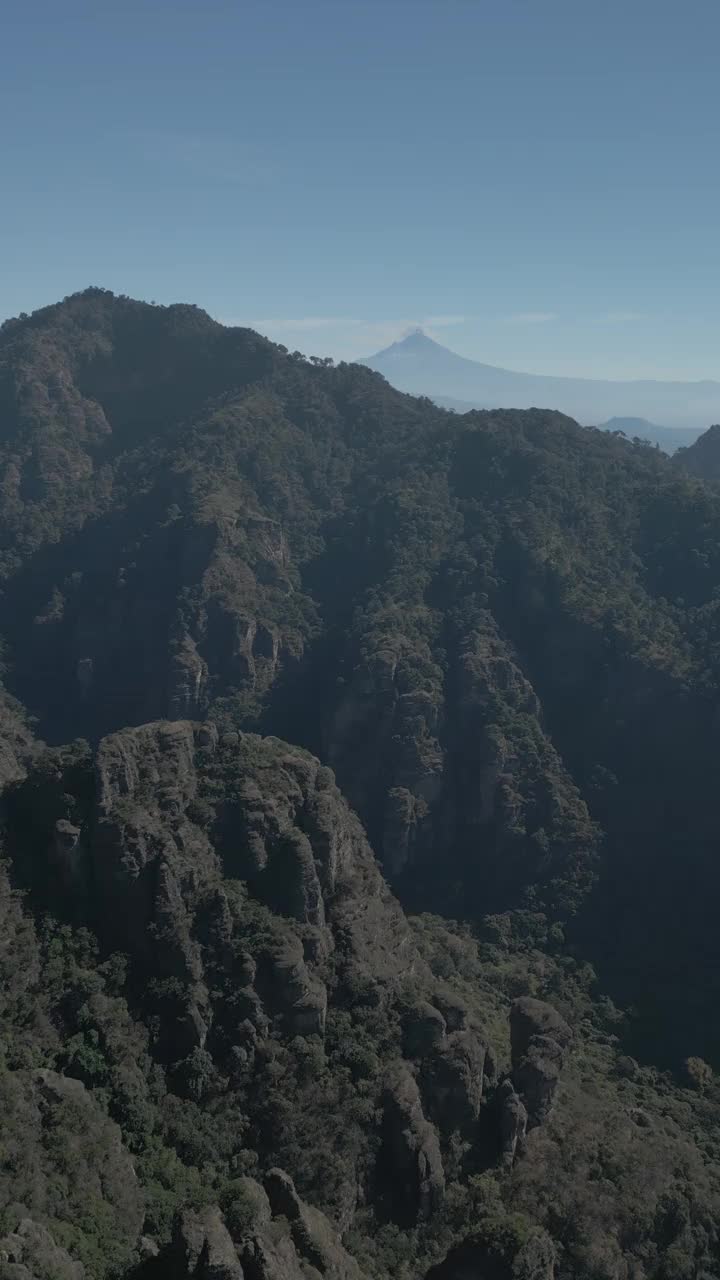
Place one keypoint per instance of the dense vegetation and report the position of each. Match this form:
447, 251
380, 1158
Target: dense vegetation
231, 578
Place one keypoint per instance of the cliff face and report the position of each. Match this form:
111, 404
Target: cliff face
279, 979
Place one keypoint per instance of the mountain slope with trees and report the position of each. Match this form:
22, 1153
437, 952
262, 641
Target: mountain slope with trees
459, 1012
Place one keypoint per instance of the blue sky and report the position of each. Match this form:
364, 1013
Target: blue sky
535, 181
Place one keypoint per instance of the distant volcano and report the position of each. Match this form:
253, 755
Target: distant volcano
422, 366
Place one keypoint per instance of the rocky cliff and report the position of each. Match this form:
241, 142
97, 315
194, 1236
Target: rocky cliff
277, 976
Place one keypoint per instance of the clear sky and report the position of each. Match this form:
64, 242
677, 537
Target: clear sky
535, 181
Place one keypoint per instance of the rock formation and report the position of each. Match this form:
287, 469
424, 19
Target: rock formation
540, 1038
410, 1164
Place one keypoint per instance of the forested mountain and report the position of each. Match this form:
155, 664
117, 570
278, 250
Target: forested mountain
668, 438
359, 821
422, 366
702, 458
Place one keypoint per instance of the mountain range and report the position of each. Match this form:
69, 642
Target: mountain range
421, 366
358, 796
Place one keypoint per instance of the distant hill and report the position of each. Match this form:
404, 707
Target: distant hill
668, 438
422, 366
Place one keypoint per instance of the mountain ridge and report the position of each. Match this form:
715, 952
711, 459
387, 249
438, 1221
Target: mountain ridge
422, 366
364, 901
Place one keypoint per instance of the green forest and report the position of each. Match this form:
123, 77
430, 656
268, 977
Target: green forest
360, 874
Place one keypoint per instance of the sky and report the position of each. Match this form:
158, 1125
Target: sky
535, 182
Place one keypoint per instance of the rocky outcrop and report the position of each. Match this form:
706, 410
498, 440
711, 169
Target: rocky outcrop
539, 1039
316, 1241
406, 760
300, 1000
530, 1018
203, 1248
410, 1166
461, 760
276, 1237
158, 834
424, 1028
512, 1121
231, 871
30, 1253
453, 1080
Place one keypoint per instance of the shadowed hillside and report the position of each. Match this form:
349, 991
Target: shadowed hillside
369, 914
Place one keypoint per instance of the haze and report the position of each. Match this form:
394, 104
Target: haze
531, 182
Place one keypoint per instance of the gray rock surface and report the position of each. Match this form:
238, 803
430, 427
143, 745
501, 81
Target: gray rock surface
30, 1253
283, 1238
512, 1119
203, 1247
410, 1156
424, 1029
539, 1038
453, 1080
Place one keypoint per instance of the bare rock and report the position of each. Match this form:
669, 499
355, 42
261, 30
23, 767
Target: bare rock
529, 1018
410, 1163
316, 1241
30, 1253
539, 1039
512, 1121
424, 1029
203, 1247
453, 1081
300, 999
272, 1258
452, 1009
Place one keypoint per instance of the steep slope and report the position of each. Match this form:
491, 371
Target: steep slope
282, 1077
702, 458
500, 631
282, 1013
669, 439
422, 366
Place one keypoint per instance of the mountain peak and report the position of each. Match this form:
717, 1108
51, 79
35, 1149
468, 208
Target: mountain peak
419, 365
415, 337
413, 342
